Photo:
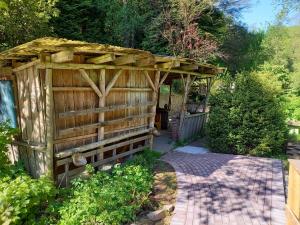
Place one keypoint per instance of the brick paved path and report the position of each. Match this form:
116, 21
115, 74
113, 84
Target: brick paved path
226, 189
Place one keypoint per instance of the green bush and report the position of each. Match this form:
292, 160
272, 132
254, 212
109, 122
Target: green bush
246, 116
110, 198
6, 136
23, 199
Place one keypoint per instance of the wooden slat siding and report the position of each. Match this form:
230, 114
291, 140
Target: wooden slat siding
105, 109
40, 104
101, 103
34, 120
153, 108
28, 120
21, 92
293, 201
49, 121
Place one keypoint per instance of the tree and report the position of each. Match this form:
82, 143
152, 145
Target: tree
182, 31
246, 116
24, 20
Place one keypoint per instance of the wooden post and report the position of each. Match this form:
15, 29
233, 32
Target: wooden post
153, 108
49, 122
187, 85
101, 104
293, 201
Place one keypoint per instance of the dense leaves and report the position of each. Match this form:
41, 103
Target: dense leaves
246, 116
24, 20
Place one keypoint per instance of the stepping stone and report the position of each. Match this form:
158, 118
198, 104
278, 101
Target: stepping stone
192, 150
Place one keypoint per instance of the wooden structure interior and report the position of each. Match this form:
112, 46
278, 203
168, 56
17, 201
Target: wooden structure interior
79, 102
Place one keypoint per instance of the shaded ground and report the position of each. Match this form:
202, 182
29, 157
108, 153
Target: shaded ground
227, 189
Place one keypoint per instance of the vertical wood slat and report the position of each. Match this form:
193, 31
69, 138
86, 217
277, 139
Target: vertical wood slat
49, 121
293, 202
153, 108
101, 104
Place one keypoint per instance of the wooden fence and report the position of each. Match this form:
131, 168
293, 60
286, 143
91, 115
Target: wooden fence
293, 202
192, 125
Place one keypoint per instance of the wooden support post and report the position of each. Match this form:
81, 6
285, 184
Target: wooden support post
101, 104
293, 201
49, 122
185, 97
153, 108
90, 82
149, 80
112, 82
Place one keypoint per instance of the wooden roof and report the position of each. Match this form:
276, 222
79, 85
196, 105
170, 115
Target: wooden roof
101, 54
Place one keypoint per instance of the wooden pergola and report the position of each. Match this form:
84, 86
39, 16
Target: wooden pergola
88, 100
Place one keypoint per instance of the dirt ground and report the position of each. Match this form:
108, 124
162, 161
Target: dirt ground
164, 193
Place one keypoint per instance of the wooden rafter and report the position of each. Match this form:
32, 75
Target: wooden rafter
167, 65
113, 81
149, 61
149, 80
63, 56
125, 59
190, 67
102, 59
163, 78
90, 82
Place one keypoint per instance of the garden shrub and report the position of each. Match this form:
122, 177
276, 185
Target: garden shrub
246, 116
113, 198
6, 137
22, 198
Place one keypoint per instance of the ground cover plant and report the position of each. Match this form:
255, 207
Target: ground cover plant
113, 197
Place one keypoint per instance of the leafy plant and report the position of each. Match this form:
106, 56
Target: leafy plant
247, 117
23, 198
110, 198
6, 137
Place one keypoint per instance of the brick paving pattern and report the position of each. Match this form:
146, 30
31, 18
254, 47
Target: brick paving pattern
219, 189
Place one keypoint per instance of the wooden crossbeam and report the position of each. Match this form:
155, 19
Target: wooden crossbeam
113, 81
102, 59
91, 83
63, 56
145, 62
125, 59
189, 67
163, 78
167, 65
104, 123
103, 109
83, 148
149, 80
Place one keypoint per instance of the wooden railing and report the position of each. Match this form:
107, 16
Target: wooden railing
192, 125
293, 202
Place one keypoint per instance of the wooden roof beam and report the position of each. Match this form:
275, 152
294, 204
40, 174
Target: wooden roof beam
149, 61
189, 67
102, 59
167, 65
125, 59
63, 56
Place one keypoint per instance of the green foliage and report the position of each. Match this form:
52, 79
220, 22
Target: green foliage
24, 20
246, 116
6, 136
22, 199
107, 198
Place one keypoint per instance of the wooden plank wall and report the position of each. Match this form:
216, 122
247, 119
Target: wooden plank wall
31, 118
80, 99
